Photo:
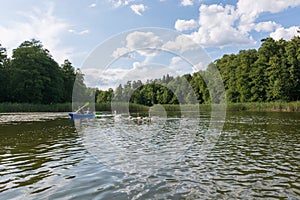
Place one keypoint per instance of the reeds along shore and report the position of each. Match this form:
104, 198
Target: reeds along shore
256, 106
27, 107
265, 107
67, 107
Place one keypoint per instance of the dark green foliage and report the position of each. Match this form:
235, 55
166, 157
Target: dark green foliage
269, 74
106, 106
33, 76
69, 76
4, 75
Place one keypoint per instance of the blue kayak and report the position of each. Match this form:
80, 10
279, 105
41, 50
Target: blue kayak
81, 116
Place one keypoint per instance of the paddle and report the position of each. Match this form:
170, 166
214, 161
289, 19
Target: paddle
86, 104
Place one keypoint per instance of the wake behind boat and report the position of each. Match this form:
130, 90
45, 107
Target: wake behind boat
103, 115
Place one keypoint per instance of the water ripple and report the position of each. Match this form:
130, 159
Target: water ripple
257, 156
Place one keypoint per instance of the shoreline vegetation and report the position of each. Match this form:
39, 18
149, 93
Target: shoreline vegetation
135, 108
263, 79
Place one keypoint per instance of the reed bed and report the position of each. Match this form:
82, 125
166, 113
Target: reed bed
265, 106
135, 108
27, 107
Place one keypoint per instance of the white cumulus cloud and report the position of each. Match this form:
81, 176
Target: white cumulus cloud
119, 3
39, 24
285, 33
227, 25
104, 79
187, 3
122, 51
144, 43
249, 11
138, 8
217, 27
140, 39
181, 44
180, 66
185, 25
266, 26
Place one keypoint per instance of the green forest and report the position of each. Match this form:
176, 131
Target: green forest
31, 75
270, 73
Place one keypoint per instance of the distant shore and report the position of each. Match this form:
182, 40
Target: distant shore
253, 106
265, 106
67, 107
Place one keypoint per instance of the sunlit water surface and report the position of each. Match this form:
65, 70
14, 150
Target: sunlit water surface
44, 156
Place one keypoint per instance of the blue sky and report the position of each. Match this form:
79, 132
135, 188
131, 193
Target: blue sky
72, 29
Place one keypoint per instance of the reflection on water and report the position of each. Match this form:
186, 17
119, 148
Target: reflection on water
33, 153
11, 118
257, 156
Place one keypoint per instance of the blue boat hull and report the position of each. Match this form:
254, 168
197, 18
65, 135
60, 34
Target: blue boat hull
81, 116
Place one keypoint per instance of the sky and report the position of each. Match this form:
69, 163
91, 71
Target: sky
73, 29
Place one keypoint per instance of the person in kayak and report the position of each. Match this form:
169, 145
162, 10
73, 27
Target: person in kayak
80, 110
88, 111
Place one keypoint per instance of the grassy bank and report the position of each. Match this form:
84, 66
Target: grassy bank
27, 107
258, 107
265, 107
67, 107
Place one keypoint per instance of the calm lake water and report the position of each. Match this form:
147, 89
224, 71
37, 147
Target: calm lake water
44, 156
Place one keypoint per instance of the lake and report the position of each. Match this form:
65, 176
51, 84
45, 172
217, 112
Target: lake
45, 156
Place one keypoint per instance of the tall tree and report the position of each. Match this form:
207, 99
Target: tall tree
277, 74
69, 76
227, 67
36, 75
259, 73
292, 56
245, 60
4, 75
200, 88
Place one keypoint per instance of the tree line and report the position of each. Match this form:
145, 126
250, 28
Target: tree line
167, 90
31, 75
271, 73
